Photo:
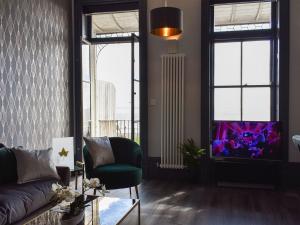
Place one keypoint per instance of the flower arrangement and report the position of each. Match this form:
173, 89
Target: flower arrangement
63, 194
72, 203
94, 183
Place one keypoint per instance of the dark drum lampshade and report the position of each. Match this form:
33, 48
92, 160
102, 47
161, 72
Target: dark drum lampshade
166, 21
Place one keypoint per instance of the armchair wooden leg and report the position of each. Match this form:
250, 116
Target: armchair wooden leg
137, 192
130, 191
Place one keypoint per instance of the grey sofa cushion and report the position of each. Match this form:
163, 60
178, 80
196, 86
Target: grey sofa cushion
18, 201
34, 165
100, 150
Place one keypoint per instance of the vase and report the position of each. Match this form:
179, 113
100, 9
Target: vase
74, 220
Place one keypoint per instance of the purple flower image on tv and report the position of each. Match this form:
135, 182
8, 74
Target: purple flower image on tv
255, 140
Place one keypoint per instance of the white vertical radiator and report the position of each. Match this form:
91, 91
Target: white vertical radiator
172, 110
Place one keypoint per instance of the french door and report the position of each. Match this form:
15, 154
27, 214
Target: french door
112, 79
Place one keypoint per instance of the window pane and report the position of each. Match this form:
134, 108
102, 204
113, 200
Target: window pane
227, 104
115, 24
86, 105
227, 63
137, 112
256, 62
136, 61
256, 104
85, 62
238, 17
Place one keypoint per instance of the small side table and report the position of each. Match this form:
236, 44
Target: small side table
77, 171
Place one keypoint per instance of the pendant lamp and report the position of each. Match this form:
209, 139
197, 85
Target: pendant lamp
166, 21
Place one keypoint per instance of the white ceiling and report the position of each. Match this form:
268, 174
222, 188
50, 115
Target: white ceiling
116, 22
250, 13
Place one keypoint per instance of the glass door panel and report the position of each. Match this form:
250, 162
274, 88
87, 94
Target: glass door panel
113, 97
86, 90
114, 90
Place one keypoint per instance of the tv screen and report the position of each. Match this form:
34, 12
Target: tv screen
252, 140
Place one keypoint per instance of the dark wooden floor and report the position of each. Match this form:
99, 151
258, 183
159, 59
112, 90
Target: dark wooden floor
171, 203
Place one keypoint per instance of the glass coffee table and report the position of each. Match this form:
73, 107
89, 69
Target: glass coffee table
100, 211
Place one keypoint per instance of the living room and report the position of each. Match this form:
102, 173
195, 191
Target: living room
149, 112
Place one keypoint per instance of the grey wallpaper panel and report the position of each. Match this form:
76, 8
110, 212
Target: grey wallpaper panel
34, 71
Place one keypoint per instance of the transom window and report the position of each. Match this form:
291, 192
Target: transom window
115, 24
238, 17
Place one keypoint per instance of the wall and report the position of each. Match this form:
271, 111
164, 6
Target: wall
294, 155
34, 71
191, 46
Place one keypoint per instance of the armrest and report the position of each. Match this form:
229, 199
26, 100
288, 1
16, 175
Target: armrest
65, 175
126, 151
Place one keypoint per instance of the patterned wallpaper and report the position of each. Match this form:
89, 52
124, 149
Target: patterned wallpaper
34, 71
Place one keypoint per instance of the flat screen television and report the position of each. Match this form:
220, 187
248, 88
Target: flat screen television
249, 140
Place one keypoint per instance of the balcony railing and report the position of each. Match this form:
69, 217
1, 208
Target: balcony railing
114, 128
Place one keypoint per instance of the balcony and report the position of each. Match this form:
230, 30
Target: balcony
114, 128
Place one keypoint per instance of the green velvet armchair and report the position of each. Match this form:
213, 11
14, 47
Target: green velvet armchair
125, 173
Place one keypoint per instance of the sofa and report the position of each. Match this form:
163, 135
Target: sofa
18, 202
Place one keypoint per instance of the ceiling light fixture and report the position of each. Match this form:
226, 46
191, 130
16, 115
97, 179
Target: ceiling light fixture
166, 21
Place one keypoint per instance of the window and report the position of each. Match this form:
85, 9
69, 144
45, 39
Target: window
243, 77
245, 64
242, 81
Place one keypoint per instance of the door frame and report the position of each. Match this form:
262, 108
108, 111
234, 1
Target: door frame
134, 39
79, 34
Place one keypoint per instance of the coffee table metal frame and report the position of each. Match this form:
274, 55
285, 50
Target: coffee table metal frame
136, 204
